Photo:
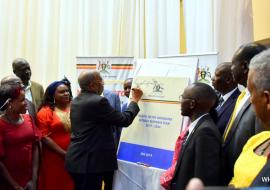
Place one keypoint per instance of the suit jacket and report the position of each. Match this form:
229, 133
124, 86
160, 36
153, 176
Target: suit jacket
31, 109
200, 156
37, 94
92, 148
124, 106
114, 100
225, 111
244, 126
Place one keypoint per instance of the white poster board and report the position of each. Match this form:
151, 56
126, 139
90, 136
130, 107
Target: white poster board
149, 138
206, 64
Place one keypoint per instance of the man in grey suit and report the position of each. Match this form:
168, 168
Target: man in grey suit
91, 156
33, 91
243, 123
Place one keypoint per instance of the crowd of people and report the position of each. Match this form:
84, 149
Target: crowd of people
52, 141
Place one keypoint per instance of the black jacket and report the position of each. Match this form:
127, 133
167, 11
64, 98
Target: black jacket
244, 126
200, 156
92, 148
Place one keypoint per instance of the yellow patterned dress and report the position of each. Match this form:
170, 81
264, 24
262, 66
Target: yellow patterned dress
249, 164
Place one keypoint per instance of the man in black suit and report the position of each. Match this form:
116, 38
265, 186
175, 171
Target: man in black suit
91, 156
224, 83
200, 153
243, 123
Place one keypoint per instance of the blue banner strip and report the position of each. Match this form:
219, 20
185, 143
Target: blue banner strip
145, 155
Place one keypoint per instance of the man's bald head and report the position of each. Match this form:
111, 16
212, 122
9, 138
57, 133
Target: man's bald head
198, 99
91, 81
19, 61
223, 80
241, 59
21, 69
225, 67
11, 79
204, 94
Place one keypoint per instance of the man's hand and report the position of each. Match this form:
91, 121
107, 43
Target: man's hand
136, 94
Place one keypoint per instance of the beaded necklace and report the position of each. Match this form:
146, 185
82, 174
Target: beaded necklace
262, 151
19, 121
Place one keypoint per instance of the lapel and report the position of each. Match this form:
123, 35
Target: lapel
33, 92
231, 99
236, 121
190, 138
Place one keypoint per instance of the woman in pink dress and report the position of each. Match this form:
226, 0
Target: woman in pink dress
54, 124
19, 141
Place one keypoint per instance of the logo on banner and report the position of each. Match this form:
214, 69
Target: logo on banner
204, 75
154, 88
103, 66
158, 87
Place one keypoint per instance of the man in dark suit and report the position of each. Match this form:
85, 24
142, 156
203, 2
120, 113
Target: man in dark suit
91, 156
33, 91
224, 83
243, 123
200, 153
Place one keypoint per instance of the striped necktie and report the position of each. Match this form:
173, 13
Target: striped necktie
233, 116
220, 102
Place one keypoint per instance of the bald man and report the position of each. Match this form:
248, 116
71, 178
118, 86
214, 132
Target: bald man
200, 153
34, 92
91, 156
224, 83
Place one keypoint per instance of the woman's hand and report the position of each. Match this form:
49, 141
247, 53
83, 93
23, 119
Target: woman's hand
17, 187
30, 186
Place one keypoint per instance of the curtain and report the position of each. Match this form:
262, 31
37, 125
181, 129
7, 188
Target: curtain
217, 26
235, 27
51, 33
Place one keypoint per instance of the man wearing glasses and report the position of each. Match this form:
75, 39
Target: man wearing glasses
200, 152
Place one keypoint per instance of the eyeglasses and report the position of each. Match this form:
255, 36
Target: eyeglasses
181, 98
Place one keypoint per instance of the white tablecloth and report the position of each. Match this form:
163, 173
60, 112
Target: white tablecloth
131, 176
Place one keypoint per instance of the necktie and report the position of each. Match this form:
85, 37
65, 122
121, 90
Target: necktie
185, 138
220, 102
232, 118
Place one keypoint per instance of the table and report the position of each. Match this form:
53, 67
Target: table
133, 176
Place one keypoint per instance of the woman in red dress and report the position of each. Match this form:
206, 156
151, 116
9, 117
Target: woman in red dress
19, 141
54, 124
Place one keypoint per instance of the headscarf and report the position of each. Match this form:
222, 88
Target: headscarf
53, 86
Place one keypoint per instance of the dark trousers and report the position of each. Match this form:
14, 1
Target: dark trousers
92, 181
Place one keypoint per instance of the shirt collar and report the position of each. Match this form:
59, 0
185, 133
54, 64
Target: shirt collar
227, 96
194, 123
28, 86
